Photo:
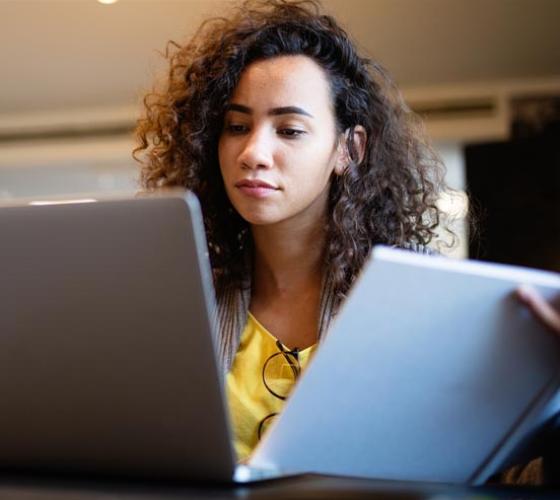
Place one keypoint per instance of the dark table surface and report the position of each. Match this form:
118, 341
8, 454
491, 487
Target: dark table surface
21, 487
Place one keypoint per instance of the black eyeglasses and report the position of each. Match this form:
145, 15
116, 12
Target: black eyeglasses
275, 380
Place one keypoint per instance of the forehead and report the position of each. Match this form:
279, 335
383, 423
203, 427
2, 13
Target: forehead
286, 80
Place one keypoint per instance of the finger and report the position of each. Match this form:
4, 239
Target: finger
542, 310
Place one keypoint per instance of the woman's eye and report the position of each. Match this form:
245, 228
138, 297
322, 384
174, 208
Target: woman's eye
236, 128
291, 132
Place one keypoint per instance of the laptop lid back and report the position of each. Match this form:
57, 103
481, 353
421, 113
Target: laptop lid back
107, 355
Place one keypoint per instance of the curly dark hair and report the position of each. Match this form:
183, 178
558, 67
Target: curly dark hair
388, 196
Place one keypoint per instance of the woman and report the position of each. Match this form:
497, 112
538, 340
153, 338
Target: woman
303, 156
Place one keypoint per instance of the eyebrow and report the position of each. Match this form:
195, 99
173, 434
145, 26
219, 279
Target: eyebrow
284, 110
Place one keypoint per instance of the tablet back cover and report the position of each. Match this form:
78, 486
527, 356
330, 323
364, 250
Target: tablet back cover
431, 369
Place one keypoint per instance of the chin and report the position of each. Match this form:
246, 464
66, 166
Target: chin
259, 220
254, 215
259, 217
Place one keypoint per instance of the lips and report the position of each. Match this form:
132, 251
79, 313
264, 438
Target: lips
254, 184
256, 188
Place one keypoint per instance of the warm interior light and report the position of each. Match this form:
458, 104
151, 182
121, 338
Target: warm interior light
107, 2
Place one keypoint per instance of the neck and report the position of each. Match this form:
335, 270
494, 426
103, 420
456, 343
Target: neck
288, 259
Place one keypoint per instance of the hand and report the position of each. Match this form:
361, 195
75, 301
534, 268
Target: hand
548, 313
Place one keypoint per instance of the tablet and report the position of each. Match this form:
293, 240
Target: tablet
432, 371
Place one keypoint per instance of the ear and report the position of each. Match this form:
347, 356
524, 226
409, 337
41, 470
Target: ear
344, 159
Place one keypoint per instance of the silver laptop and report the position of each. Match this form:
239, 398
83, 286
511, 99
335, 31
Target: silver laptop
107, 354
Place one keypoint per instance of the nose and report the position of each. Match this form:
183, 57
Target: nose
257, 151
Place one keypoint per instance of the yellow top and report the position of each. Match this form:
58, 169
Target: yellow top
250, 402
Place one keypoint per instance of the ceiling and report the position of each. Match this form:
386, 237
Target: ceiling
78, 53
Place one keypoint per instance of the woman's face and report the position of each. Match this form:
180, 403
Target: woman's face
279, 145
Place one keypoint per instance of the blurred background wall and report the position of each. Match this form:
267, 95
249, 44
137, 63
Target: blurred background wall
73, 74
